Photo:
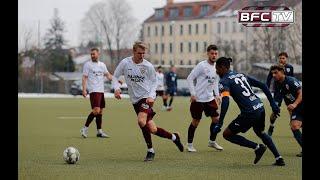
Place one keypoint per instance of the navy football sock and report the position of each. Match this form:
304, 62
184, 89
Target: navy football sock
242, 141
213, 135
298, 136
165, 102
170, 102
268, 141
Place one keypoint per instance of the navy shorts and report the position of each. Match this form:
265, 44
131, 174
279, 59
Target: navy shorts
247, 120
171, 91
142, 106
297, 114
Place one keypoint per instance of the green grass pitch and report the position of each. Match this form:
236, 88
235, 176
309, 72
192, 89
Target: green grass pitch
48, 126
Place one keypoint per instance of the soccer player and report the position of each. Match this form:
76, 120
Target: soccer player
238, 86
140, 77
160, 86
283, 56
204, 97
171, 82
290, 90
94, 72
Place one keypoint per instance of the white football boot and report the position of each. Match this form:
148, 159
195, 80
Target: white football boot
84, 132
215, 145
190, 148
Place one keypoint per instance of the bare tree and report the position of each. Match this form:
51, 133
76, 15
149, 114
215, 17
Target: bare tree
113, 24
27, 39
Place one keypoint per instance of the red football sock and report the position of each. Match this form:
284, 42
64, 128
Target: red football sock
163, 133
147, 136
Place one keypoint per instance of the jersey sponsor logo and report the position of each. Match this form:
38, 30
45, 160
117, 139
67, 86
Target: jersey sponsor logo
255, 107
296, 84
210, 79
145, 106
136, 78
97, 73
288, 69
287, 86
235, 76
252, 98
290, 97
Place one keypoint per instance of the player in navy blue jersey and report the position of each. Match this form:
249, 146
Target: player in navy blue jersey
288, 70
290, 90
238, 86
171, 83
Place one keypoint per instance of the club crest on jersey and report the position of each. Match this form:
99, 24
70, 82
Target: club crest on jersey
287, 86
142, 70
145, 106
288, 69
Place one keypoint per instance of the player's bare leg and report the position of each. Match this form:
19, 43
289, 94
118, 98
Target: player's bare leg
191, 130
213, 134
295, 128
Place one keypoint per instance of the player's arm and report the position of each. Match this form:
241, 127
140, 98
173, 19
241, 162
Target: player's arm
109, 76
216, 92
298, 100
153, 86
115, 80
266, 91
190, 79
224, 106
277, 96
84, 85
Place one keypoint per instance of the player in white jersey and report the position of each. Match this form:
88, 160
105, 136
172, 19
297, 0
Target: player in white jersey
204, 96
160, 86
94, 72
140, 77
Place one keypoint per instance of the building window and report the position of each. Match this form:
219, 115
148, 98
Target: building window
218, 28
204, 46
148, 31
197, 47
162, 47
162, 30
226, 27
255, 45
156, 30
171, 63
181, 62
162, 62
174, 12
156, 48
171, 30
187, 12
190, 63
170, 47
190, 47
234, 26
181, 47
197, 29
159, 13
197, 62
241, 28
190, 29
233, 45
181, 29
204, 10
156, 62
242, 46
204, 28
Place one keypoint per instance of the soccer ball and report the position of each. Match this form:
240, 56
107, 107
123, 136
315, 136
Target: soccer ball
71, 155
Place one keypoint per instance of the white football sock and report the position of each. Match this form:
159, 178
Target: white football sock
173, 137
257, 147
278, 157
100, 131
151, 150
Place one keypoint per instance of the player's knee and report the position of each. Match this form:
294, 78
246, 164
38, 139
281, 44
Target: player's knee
141, 122
215, 119
195, 122
226, 134
295, 126
152, 129
95, 111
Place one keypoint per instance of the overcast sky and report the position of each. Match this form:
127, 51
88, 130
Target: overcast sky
30, 12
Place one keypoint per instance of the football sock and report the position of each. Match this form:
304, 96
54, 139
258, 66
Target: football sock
165, 102
278, 157
173, 137
266, 139
191, 131
163, 133
99, 121
100, 131
298, 136
151, 150
147, 136
89, 119
213, 135
171, 99
237, 139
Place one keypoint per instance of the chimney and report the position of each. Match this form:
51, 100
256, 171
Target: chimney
169, 1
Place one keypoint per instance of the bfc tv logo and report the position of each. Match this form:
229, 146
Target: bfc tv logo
266, 16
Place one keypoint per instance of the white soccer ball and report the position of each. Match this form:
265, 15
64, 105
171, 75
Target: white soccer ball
71, 155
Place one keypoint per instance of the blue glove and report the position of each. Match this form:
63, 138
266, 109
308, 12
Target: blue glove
217, 128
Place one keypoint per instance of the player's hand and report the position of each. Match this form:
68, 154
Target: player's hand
291, 107
276, 110
117, 94
218, 100
193, 99
150, 101
84, 93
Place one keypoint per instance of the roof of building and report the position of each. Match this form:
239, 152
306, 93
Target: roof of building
68, 75
297, 69
214, 5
